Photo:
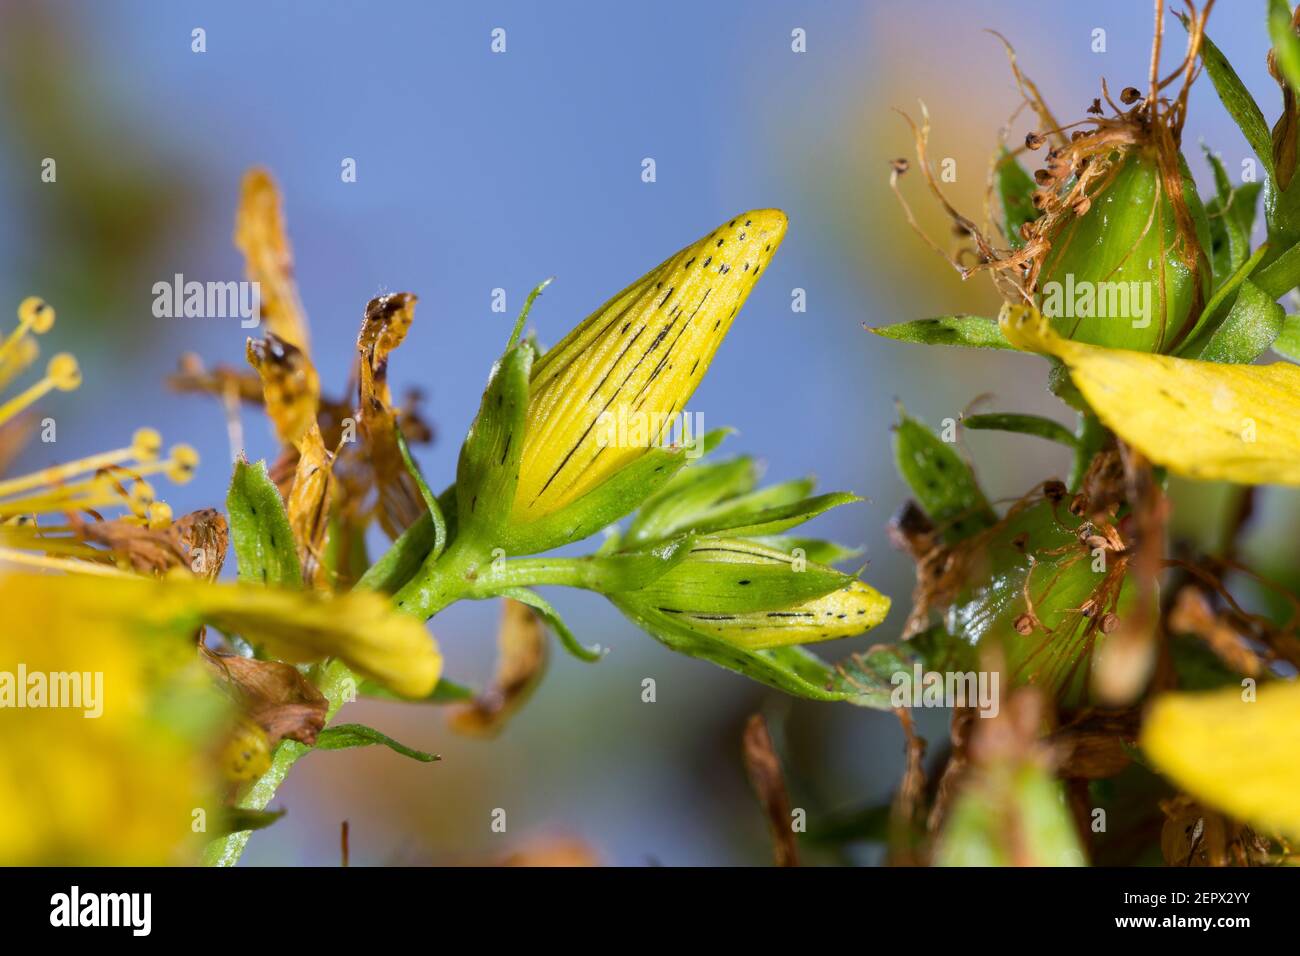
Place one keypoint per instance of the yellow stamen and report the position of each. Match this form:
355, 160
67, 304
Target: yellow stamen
9, 556
34, 315
62, 373
145, 445
160, 516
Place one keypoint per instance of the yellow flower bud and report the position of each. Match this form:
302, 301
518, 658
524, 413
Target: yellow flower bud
637, 359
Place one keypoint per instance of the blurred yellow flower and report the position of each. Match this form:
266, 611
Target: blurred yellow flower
130, 785
1237, 752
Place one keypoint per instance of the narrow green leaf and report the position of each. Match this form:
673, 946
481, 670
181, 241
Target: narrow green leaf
1250, 328
691, 493
1241, 106
814, 549
969, 331
259, 529
941, 481
344, 736
430, 500
556, 623
773, 520
1286, 45
1035, 425
1230, 213
242, 819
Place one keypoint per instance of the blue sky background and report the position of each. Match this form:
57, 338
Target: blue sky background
478, 171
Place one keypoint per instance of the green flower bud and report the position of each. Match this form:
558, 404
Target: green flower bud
751, 596
1124, 264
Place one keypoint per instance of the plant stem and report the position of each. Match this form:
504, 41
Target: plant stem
338, 684
460, 573
1091, 435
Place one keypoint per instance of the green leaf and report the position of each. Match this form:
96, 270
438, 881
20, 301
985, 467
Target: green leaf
344, 736
969, 331
1241, 106
556, 623
1035, 425
259, 529
242, 819
772, 520
1015, 193
814, 549
1231, 214
693, 492
941, 481
430, 500
489, 460
1250, 328
1286, 45
1287, 344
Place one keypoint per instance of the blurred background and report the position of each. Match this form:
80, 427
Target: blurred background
477, 170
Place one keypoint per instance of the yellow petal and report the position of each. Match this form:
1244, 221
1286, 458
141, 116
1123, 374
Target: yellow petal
111, 781
1240, 756
268, 259
1238, 423
635, 363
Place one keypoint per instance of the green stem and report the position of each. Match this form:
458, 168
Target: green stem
337, 683
462, 572
1091, 436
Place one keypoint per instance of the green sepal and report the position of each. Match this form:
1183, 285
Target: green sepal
1035, 425
259, 529
568, 641
436, 517
692, 492
488, 471
404, 558
943, 484
967, 331
345, 736
814, 549
613, 499
1252, 326
776, 519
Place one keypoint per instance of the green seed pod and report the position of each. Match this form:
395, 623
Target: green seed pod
1042, 588
1124, 264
